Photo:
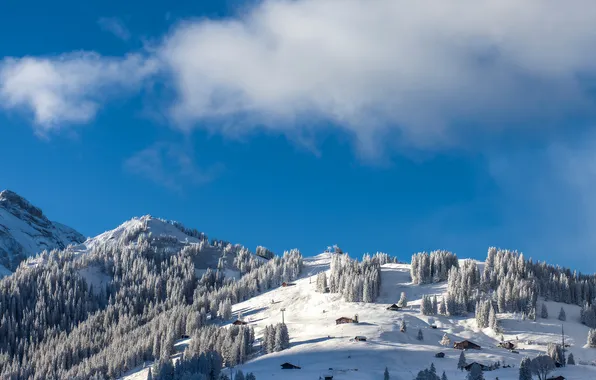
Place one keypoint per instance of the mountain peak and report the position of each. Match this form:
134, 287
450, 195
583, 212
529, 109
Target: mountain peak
25, 231
11, 200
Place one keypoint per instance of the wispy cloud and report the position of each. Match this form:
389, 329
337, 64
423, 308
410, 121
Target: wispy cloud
115, 26
420, 70
387, 72
69, 88
170, 165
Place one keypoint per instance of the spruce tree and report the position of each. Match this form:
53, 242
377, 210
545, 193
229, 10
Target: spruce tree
445, 341
443, 376
562, 316
570, 359
544, 312
386, 374
475, 373
461, 363
239, 375
420, 336
403, 300
525, 370
592, 338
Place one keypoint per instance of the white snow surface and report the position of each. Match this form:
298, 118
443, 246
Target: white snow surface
25, 231
320, 347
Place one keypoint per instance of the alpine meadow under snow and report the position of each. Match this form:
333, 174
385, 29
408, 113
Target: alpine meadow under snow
153, 299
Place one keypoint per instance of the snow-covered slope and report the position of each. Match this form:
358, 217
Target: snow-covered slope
26, 231
320, 347
169, 235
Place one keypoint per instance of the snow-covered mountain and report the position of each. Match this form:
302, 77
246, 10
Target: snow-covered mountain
320, 347
172, 236
26, 231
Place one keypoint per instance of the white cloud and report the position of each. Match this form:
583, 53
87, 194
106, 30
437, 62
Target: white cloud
416, 68
114, 26
170, 165
69, 88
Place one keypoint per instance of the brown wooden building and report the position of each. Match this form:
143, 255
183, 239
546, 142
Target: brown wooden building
466, 345
342, 320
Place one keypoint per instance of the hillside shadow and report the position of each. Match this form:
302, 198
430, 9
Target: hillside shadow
247, 311
309, 341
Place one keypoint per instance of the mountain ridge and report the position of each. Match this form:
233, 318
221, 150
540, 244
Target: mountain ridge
26, 231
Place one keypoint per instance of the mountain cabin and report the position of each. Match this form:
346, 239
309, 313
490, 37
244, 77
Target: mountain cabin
289, 366
393, 307
360, 338
466, 345
556, 378
343, 320
238, 322
507, 345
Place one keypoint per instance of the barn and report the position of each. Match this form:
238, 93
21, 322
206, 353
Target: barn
289, 366
342, 320
466, 345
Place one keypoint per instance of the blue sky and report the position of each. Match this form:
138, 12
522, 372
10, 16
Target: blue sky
379, 126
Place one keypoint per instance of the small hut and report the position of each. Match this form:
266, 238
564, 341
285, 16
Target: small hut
289, 366
466, 345
393, 307
343, 320
238, 322
507, 345
440, 355
360, 338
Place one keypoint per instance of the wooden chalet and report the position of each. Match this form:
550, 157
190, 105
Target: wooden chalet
507, 345
343, 320
238, 322
393, 307
289, 366
466, 345
483, 367
284, 284
556, 378
360, 338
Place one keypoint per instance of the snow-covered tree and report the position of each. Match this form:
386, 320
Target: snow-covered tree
386, 374
443, 376
562, 315
461, 363
402, 326
420, 336
542, 365
239, 375
570, 359
403, 300
322, 283
544, 312
445, 341
592, 338
434, 267
442, 307
525, 369
475, 373
555, 352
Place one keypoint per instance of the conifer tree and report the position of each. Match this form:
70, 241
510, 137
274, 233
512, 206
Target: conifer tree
562, 316
420, 336
402, 326
461, 363
443, 376
544, 312
403, 301
592, 338
386, 374
570, 359
475, 373
525, 370
445, 341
